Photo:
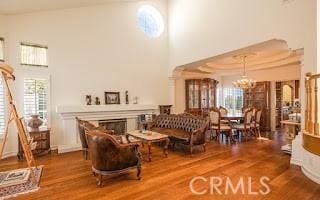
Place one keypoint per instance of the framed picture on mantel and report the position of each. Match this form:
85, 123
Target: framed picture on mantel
112, 97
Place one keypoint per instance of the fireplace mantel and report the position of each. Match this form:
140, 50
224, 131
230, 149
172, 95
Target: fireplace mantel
103, 108
98, 112
68, 113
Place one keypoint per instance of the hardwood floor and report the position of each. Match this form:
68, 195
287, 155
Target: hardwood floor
68, 176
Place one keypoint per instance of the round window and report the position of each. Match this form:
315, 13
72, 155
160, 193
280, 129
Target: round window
150, 21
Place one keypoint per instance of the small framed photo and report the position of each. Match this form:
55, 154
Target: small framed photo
112, 97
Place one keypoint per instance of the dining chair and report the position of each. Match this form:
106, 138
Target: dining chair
217, 126
245, 109
245, 127
255, 125
223, 111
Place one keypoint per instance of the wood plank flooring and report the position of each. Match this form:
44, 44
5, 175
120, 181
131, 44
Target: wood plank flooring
68, 176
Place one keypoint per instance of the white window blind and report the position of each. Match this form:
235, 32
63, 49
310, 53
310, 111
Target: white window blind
233, 100
33, 55
36, 98
2, 107
1, 49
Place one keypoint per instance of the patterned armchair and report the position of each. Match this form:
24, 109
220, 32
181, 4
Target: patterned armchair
109, 156
186, 129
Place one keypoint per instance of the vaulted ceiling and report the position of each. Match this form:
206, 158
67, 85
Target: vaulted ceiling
26, 6
266, 55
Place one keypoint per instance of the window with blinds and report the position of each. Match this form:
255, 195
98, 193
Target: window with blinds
2, 107
1, 49
36, 98
233, 100
33, 55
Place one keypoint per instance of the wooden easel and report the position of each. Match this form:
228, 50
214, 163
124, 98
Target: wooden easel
7, 74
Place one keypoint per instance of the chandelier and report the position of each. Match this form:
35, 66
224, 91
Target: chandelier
244, 82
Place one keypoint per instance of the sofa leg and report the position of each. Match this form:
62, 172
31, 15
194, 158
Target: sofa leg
191, 151
100, 180
173, 145
139, 172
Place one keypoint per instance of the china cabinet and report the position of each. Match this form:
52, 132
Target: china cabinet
200, 95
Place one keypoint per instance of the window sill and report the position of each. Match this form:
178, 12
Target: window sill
34, 65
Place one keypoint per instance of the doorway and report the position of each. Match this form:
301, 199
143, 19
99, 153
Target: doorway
287, 101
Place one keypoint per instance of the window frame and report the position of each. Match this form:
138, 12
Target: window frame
145, 12
35, 46
3, 49
48, 94
5, 109
234, 94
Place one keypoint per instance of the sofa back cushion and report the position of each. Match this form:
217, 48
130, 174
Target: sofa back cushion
187, 123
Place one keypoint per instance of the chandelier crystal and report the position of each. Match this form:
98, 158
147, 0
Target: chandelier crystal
245, 82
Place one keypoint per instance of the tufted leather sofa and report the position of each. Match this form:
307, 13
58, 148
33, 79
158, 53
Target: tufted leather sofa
183, 128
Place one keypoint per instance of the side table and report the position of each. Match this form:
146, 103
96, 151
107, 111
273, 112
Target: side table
42, 137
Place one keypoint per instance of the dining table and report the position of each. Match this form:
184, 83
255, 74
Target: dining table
232, 116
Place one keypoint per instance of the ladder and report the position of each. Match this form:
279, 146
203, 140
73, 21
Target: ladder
7, 74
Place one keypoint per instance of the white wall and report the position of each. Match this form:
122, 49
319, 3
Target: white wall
92, 50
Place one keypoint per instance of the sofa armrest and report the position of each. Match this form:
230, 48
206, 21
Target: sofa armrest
198, 135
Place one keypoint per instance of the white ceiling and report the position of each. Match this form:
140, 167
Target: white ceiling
26, 6
270, 54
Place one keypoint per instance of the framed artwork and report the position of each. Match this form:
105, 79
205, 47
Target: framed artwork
112, 97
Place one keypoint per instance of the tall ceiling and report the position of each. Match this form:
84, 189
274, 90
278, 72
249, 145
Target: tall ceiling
8, 7
266, 55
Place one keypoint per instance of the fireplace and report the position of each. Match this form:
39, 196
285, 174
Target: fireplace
119, 126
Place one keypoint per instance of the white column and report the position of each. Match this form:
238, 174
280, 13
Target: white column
273, 106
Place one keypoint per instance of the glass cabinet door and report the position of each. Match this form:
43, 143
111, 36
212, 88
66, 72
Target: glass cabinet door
200, 95
193, 90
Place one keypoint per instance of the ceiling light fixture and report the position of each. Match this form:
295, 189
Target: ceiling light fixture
244, 82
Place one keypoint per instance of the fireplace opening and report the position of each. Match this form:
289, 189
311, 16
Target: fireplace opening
119, 126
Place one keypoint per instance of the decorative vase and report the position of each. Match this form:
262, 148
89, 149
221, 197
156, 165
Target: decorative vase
35, 122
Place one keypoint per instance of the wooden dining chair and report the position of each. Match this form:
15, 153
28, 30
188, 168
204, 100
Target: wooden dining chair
245, 127
255, 125
223, 111
218, 127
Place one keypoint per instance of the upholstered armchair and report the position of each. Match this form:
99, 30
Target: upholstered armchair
83, 127
109, 156
82, 135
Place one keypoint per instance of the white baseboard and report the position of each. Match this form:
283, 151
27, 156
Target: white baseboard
311, 174
294, 161
69, 148
54, 147
9, 154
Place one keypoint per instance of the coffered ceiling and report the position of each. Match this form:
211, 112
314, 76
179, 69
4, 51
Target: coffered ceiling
270, 54
27, 6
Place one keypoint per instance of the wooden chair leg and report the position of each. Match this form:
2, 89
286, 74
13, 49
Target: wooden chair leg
204, 147
259, 131
139, 172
